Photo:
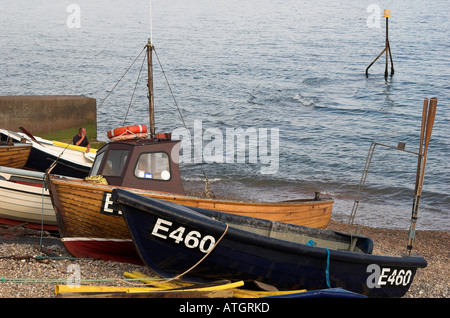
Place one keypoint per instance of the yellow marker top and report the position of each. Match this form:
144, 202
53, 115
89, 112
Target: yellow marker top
387, 13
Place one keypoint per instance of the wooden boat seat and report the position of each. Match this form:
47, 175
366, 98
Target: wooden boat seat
297, 234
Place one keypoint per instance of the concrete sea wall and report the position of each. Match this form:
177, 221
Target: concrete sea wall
43, 114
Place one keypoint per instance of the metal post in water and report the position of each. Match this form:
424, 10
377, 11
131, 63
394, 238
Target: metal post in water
386, 44
387, 49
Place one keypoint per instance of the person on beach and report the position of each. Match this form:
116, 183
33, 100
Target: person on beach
81, 140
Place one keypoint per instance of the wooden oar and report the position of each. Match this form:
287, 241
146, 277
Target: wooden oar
422, 137
428, 116
26, 132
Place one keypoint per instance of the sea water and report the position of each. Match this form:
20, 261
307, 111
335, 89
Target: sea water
292, 69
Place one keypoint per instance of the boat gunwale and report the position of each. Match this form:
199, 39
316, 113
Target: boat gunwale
17, 145
189, 197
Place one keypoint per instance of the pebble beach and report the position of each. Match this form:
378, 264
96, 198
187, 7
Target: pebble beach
23, 275
430, 282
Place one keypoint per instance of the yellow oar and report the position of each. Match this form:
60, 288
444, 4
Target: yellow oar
187, 289
112, 289
156, 281
244, 293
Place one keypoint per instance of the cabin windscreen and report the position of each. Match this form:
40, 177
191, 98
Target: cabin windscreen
96, 165
115, 162
153, 165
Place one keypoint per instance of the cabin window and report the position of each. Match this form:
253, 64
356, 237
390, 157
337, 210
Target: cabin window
153, 165
96, 165
114, 164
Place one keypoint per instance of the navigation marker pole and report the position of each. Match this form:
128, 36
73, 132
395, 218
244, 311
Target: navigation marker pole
387, 48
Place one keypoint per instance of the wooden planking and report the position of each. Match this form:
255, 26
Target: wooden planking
222, 205
14, 156
80, 210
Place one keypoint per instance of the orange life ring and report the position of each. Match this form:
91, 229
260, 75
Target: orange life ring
127, 130
130, 136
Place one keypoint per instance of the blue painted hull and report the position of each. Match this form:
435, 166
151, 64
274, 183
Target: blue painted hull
172, 239
322, 293
41, 161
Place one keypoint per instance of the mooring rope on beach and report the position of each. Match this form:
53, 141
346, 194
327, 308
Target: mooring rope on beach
179, 276
65, 280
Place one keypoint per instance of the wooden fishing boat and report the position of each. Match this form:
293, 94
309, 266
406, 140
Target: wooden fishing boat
70, 162
175, 241
91, 226
14, 155
146, 163
25, 200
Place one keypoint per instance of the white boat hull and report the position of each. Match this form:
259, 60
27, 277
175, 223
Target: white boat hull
24, 200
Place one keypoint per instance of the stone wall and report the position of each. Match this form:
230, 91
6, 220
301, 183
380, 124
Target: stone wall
43, 114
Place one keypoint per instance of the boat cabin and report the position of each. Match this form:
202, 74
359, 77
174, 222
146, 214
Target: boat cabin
148, 164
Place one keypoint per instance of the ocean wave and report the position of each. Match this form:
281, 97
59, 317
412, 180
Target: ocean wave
316, 81
305, 100
200, 179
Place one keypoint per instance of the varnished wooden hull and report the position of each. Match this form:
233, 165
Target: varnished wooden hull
14, 156
84, 210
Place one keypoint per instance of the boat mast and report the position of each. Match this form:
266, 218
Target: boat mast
151, 101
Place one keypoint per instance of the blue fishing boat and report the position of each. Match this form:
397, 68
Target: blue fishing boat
175, 240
